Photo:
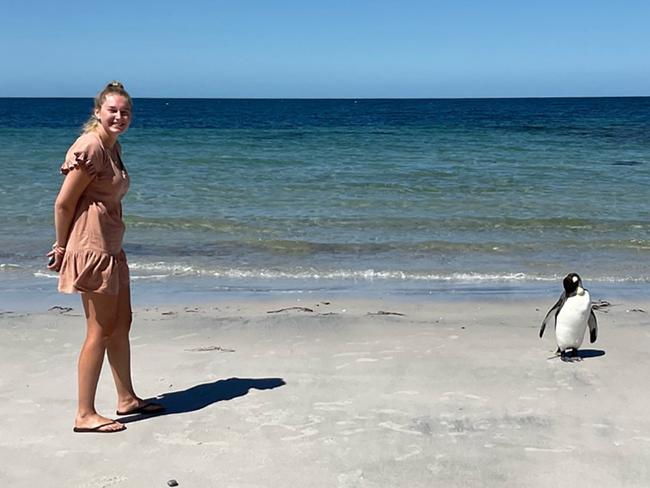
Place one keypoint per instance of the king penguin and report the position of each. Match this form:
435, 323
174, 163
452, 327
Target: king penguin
572, 315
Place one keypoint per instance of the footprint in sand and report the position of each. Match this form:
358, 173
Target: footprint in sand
332, 406
414, 452
399, 428
351, 479
352, 353
104, 481
559, 450
304, 433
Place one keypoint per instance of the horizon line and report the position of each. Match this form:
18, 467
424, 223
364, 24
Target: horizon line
340, 98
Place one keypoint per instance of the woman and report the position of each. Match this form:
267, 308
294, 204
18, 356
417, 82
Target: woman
89, 257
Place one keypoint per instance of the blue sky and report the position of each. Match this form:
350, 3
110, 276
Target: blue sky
326, 49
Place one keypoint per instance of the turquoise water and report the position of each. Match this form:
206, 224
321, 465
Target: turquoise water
413, 195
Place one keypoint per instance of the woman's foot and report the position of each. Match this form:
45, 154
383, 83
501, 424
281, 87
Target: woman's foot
97, 423
139, 406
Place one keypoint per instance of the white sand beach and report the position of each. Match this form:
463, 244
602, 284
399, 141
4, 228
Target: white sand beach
456, 394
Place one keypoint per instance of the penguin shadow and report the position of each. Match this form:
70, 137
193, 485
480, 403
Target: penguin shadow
203, 395
590, 353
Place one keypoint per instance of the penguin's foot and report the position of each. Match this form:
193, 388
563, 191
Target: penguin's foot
570, 356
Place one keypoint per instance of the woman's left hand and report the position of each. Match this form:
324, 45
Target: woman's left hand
55, 260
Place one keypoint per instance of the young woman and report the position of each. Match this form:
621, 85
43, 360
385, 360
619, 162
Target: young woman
89, 257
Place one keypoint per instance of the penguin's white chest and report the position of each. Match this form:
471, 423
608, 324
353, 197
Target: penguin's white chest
571, 323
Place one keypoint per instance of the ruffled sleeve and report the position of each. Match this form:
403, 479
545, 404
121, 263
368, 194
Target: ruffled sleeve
86, 154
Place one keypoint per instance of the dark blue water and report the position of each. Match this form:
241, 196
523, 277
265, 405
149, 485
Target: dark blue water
293, 194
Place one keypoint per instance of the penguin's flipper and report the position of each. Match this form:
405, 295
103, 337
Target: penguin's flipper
593, 327
555, 308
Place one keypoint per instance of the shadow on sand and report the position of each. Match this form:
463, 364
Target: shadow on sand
200, 396
590, 353
577, 356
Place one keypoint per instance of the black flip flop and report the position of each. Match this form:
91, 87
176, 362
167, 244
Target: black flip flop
98, 429
148, 408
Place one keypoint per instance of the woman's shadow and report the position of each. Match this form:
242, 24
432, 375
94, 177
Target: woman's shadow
200, 396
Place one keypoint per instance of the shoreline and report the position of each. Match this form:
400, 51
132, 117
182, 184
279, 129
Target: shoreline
29, 295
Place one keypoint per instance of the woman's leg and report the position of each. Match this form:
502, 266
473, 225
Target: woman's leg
119, 354
100, 313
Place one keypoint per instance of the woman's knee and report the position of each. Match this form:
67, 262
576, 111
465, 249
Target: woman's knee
100, 328
108, 316
123, 326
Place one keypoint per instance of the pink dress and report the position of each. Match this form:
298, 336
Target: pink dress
94, 260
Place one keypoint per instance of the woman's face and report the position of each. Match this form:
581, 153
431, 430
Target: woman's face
114, 115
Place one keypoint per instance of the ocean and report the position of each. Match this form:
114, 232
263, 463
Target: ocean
408, 196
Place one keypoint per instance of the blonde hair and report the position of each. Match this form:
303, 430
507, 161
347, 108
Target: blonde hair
112, 88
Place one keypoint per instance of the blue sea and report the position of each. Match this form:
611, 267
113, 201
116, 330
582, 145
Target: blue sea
404, 197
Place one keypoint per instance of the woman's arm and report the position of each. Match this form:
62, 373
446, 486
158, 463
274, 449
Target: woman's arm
73, 186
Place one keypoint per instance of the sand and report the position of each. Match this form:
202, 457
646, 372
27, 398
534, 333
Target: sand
452, 393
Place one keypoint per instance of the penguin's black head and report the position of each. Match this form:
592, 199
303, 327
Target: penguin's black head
571, 283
